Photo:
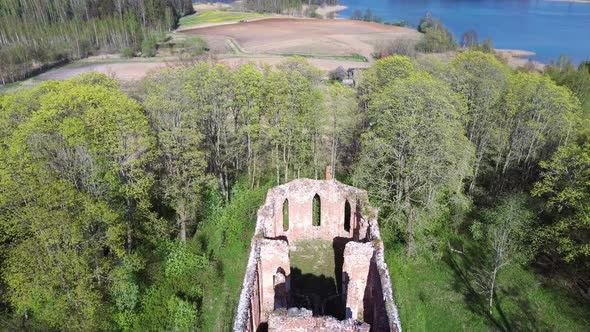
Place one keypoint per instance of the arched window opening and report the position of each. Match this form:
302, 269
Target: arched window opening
317, 210
286, 215
347, 216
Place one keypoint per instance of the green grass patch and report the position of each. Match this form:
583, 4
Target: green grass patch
434, 295
224, 236
314, 257
12, 87
316, 267
216, 16
351, 57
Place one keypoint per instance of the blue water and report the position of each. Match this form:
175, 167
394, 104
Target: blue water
548, 28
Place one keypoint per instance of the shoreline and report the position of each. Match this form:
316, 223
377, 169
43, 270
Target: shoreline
325, 11
577, 1
519, 58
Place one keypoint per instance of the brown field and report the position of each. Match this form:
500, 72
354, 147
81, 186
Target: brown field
124, 71
327, 44
313, 37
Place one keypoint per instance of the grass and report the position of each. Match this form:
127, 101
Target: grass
224, 236
12, 87
432, 295
216, 16
315, 268
314, 257
351, 57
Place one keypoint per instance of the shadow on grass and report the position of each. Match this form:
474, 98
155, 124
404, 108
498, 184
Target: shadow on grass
316, 293
516, 317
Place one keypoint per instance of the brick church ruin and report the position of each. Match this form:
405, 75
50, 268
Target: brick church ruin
316, 263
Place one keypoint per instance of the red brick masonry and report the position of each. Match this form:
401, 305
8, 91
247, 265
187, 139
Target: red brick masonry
366, 286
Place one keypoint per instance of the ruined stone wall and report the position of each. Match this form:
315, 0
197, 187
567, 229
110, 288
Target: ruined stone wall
273, 263
366, 282
299, 320
382, 311
357, 261
248, 314
300, 194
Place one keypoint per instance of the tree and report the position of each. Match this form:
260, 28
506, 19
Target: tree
383, 73
504, 234
180, 145
565, 185
74, 191
540, 117
300, 65
487, 46
437, 38
481, 80
357, 15
290, 121
578, 81
338, 74
170, 303
249, 81
368, 17
343, 120
415, 149
210, 92
469, 39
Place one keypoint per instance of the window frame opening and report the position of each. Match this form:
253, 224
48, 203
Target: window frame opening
316, 214
347, 216
286, 215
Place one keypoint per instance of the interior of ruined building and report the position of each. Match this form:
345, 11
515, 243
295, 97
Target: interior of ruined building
316, 263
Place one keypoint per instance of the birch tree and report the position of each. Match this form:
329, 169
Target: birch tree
504, 234
180, 145
415, 150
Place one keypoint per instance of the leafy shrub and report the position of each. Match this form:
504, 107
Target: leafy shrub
437, 41
487, 46
437, 38
193, 46
402, 23
127, 52
338, 74
405, 47
148, 47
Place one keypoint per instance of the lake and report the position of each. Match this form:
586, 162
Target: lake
548, 28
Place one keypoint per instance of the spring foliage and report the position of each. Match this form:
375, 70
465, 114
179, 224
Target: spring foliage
138, 211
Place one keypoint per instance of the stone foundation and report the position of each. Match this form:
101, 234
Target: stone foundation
345, 215
302, 320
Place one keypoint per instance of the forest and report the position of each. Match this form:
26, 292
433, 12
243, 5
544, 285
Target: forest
286, 6
133, 210
36, 34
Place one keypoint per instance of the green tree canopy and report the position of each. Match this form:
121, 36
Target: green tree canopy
74, 192
415, 150
566, 187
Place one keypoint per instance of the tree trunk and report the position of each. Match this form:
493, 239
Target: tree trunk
411, 239
286, 175
183, 230
492, 288
182, 222
278, 166
129, 227
315, 157
249, 163
410, 214
481, 149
